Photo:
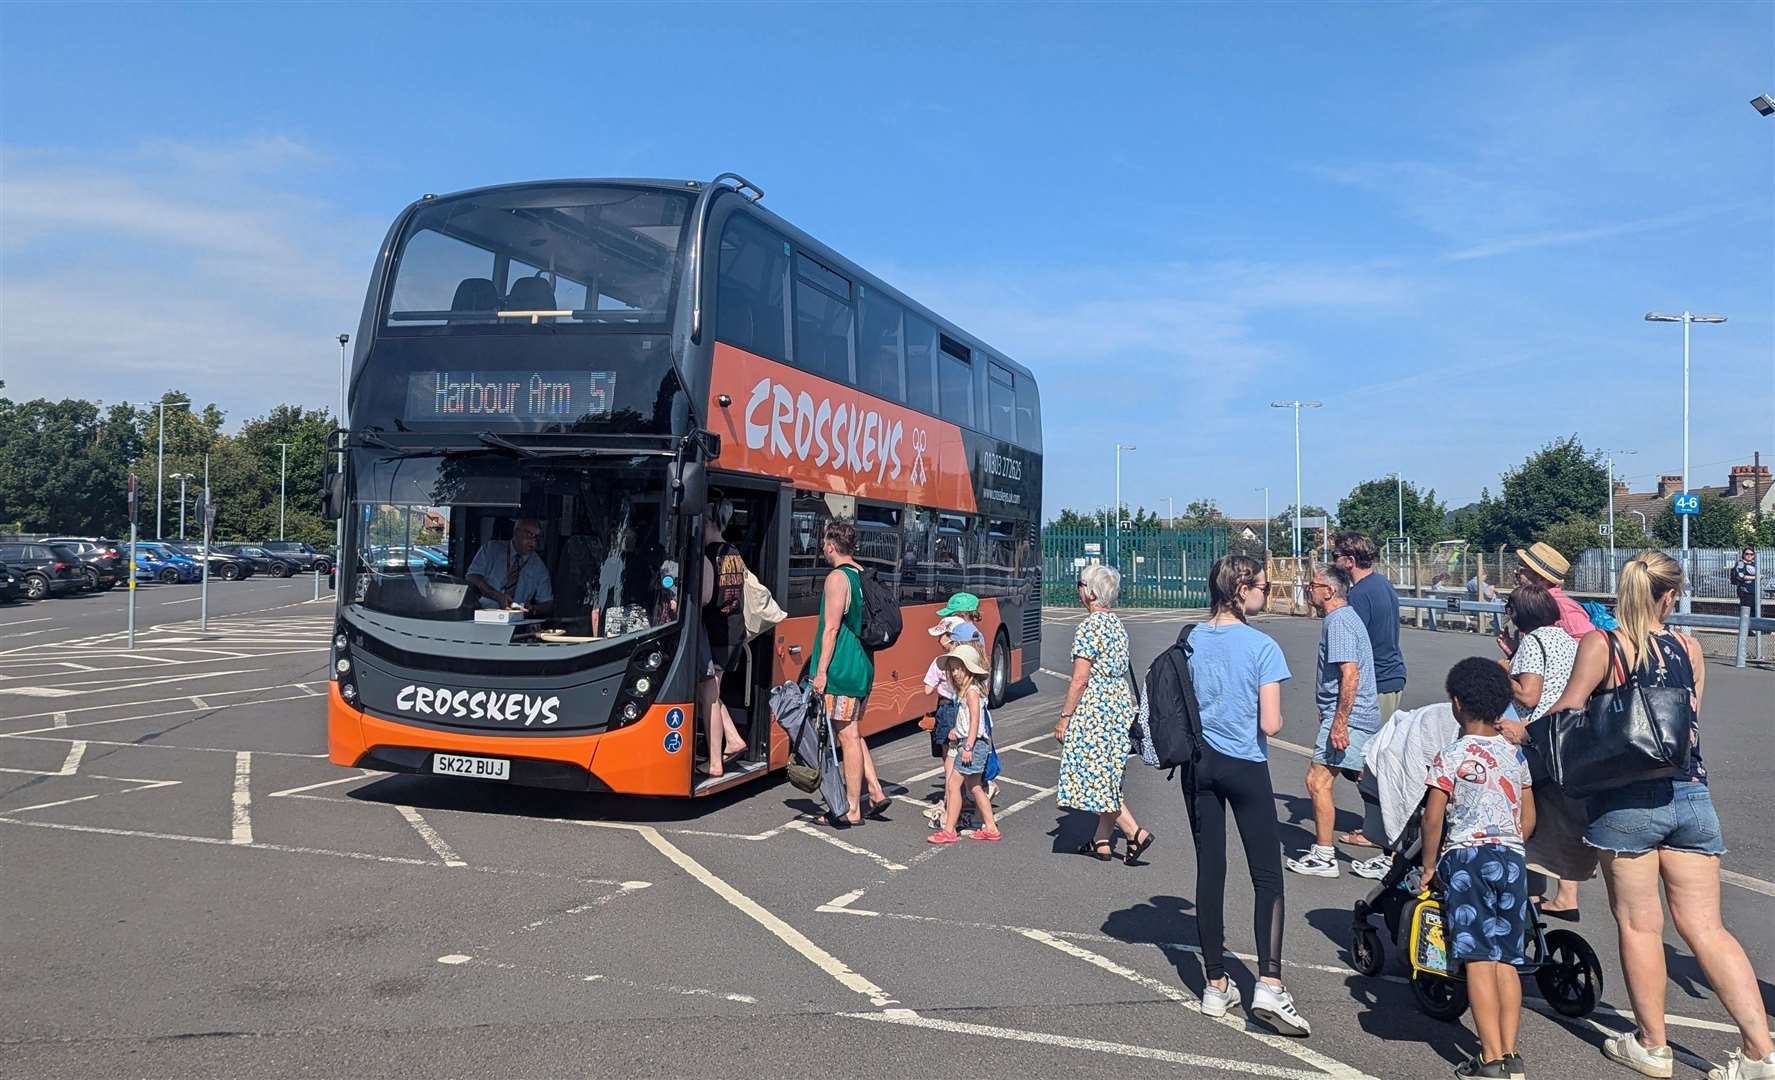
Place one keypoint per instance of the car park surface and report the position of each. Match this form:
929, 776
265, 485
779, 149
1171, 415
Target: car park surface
185, 831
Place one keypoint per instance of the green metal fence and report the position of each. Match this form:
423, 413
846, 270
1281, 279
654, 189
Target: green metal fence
1161, 568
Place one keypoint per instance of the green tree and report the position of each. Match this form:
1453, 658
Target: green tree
1201, 514
1373, 507
63, 466
1750, 531
1558, 481
1134, 518
1715, 526
1282, 531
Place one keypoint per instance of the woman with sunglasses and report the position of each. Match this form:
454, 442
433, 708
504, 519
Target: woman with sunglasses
1093, 728
1238, 672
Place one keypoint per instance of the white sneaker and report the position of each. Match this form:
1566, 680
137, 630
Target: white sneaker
1375, 869
1217, 1003
1655, 1061
1317, 862
1275, 1007
1739, 1067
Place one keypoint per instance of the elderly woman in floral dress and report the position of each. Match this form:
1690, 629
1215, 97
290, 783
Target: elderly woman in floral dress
1093, 728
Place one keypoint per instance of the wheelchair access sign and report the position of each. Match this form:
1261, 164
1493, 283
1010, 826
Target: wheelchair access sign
1686, 504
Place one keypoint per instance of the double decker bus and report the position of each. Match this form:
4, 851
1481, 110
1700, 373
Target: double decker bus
599, 364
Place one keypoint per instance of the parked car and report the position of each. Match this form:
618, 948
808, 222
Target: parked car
12, 587
263, 561
101, 560
48, 570
301, 556
221, 565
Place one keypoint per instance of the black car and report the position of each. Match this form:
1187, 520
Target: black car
263, 561
301, 556
221, 564
48, 570
12, 587
102, 561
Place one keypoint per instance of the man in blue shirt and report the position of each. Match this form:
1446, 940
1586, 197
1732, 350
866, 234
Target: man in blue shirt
510, 574
1376, 601
1349, 715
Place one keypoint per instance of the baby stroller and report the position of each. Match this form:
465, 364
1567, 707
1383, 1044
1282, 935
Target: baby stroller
1563, 964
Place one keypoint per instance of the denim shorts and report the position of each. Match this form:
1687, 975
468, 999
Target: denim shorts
976, 763
1350, 758
1674, 815
1485, 903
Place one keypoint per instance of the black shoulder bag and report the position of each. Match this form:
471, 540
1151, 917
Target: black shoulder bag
1622, 735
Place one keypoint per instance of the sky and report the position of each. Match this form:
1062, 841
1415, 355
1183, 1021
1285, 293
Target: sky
1446, 221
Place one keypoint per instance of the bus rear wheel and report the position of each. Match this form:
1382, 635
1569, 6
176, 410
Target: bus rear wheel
1000, 686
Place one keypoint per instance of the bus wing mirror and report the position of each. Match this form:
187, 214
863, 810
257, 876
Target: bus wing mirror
690, 487
332, 496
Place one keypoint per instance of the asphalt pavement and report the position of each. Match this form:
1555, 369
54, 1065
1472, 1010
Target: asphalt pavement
192, 890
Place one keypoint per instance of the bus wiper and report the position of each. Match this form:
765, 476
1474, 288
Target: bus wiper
503, 443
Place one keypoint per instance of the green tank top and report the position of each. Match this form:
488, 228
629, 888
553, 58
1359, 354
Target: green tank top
852, 671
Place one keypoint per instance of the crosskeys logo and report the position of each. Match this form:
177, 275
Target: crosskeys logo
918, 449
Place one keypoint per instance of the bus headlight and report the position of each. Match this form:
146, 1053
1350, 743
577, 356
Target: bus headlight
631, 712
641, 683
653, 660
342, 665
340, 641
348, 692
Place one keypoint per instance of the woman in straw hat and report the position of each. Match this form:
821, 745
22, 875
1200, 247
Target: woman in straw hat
970, 745
1542, 562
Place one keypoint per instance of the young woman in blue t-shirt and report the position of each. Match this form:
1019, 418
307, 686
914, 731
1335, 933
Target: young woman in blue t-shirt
1238, 673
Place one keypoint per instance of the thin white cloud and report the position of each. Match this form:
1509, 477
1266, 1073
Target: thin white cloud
1570, 237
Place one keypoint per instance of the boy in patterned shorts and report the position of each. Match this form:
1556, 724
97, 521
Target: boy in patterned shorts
1479, 784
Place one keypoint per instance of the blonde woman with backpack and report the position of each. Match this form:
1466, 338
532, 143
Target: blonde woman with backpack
724, 636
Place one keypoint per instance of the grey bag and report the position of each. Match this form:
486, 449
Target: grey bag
801, 715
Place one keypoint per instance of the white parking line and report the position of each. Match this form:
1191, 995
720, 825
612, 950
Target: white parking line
21, 622
818, 834
1070, 1042
430, 836
144, 785
187, 600
324, 783
1327, 1065
241, 810
71, 764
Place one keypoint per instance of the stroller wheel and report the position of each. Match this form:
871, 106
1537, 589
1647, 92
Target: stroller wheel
1367, 955
1570, 977
1439, 997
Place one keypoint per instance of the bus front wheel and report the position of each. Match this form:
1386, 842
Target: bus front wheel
1000, 687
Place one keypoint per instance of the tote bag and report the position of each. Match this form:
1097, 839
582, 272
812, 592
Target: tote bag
1622, 736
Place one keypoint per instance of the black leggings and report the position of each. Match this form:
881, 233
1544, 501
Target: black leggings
1221, 781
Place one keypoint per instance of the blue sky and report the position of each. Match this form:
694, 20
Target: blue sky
1445, 220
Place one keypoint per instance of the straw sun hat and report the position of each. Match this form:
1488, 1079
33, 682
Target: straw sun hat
968, 656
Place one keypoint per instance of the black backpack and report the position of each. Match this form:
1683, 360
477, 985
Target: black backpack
1172, 714
881, 613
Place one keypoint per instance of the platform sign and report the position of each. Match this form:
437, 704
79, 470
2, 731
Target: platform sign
1688, 505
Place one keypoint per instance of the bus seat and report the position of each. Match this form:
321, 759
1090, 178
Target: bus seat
476, 294
531, 294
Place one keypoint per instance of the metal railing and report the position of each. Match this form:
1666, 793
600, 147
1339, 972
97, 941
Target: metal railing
1743, 623
1161, 568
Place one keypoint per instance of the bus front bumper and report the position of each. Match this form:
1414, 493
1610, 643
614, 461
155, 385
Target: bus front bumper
649, 757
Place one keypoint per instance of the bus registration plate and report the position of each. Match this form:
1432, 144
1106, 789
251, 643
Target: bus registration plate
480, 768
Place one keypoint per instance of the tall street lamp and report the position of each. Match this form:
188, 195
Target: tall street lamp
1297, 406
283, 469
1610, 455
160, 463
1266, 522
181, 477
1119, 448
1686, 318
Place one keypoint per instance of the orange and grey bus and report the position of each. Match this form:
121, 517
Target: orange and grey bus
599, 363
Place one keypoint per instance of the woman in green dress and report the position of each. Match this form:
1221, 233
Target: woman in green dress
1093, 728
843, 669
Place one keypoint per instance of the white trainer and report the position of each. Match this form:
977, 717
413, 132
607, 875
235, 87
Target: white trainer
1654, 1061
1217, 1003
1275, 1007
1374, 869
1739, 1067
1317, 862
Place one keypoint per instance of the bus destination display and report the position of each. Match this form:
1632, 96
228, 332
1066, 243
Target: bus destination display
510, 395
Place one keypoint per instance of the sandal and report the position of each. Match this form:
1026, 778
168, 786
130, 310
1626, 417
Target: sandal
1137, 847
1356, 839
874, 809
1101, 850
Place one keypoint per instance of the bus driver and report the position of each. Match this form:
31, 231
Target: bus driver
511, 574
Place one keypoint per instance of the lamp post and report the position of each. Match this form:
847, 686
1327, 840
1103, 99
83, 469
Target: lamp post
1401, 485
181, 477
1170, 509
160, 462
1686, 318
1297, 406
1610, 454
1118, 534
283, 470
1266, 523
